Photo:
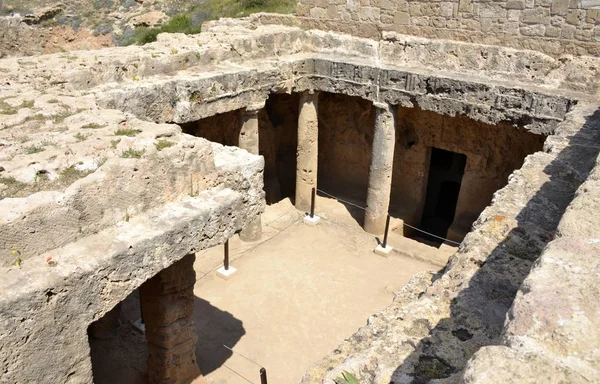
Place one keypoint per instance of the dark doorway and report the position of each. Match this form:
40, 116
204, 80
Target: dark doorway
446, 170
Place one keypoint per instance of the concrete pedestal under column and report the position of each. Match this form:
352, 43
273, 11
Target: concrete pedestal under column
308, 148
380, 171
248, 140
168, 305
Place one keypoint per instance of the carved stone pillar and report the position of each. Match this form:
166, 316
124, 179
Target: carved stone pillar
308, 148
248, 140
168, 305
380, 171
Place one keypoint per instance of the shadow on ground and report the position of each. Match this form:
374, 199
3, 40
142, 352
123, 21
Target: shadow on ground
215, 328
121, 358
478, 312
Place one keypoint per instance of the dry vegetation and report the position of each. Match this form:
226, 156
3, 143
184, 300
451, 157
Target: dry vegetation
114, 17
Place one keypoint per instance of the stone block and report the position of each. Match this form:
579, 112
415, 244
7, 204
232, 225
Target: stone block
178, 332
381, 251
388, 5
568, 32
465, 6
318, 13
311, 220
447, 9
575, 16
414, 9
226, 274
401, 18
557, 21
536, 16
163, 310
492, 10
593, 16
332, 12
515, 4
552, 31
560, 7
386, 19
420, 21
438, 22
174, 365
514, 15
369, 14
583, 34
486, 24
534, 30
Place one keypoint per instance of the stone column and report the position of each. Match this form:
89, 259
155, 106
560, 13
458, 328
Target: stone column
308, 148
248, 140
168, 305
380, 171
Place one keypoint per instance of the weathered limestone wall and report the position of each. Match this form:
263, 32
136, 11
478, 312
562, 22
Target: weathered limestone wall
551, 332
345, 137
493, 153
277, 128
432, 330
222, 128
48, 302
554, 27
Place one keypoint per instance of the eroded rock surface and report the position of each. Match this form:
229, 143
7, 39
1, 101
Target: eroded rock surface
449, 334
102, 191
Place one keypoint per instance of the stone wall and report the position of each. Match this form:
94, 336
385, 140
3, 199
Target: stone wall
551, 26
449, 331
345, 137
493, 153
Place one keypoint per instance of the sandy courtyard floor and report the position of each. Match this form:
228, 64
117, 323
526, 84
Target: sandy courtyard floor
296, 295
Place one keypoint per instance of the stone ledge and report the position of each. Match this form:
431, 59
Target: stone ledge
92, 275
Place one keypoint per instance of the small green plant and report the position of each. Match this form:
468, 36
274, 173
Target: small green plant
196, 97
80, 137
346, 378
174, 51
41, 177
33, 149
114, 143
53, 101
17, 255
27, 104
162, 144
69, 175
13, 186
100, 162
135, 78
22, 138
47, 143
93, 126
127, 132
132, 154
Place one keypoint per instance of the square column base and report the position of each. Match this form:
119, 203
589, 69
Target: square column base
311, 220
139, 326
381, 251
226, 273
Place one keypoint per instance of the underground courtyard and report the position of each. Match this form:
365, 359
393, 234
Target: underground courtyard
403, 192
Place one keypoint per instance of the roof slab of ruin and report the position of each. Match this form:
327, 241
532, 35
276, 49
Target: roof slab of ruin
460, 325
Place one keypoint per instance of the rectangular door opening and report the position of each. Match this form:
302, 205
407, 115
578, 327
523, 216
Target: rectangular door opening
446, 170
